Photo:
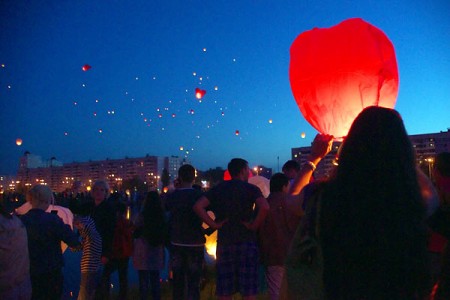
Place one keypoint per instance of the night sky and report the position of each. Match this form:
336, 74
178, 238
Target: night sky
148, 57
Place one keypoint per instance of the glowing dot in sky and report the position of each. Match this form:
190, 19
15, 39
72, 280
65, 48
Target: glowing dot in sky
174, 115
234, 59
75, 103
204, 49
157, 109
154, 77
100, 131
66, 133
96, 100
137, 78
18, 142
145, 119
142, 114
236, 132
3, 65
83, 85
303, 135
160, 116
216, 88
181, 148
191, 111
95, 114
194, 74
9, 86
223, 114
270, 121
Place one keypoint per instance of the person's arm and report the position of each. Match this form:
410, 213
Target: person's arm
263, 209
200, 209
320, 147
294, 203
67, 235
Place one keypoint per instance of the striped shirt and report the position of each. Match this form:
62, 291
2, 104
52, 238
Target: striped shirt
91, 245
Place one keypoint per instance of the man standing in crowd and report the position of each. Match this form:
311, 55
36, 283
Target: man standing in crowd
240, 209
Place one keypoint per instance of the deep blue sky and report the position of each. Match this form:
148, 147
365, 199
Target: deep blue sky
144, 54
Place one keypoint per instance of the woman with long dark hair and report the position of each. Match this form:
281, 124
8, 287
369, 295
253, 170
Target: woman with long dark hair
371, 215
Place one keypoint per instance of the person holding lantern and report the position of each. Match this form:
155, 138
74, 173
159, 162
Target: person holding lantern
366, 227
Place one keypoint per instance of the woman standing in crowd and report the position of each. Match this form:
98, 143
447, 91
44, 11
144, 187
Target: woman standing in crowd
370, 216
148, 254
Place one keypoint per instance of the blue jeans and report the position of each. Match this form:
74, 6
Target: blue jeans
187, 268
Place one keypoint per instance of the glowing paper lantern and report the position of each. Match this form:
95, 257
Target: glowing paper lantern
199, 93
236, 132
85, 67
336, 72
18, 142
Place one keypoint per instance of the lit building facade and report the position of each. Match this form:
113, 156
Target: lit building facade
84, 174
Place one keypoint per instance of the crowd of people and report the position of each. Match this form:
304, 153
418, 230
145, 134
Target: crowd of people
376, 229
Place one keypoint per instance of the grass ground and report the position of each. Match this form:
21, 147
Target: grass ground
207, 292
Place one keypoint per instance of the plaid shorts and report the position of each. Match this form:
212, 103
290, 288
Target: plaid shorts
237, 269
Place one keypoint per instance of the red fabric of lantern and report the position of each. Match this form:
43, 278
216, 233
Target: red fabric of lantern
336, 72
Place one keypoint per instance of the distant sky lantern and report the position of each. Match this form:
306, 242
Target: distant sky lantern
270, 121
85, 67
236, 132
18, 141
181, 148
199, 93
303, 135
336, 72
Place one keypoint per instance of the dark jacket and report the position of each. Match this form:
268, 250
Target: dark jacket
45, 233
104, 216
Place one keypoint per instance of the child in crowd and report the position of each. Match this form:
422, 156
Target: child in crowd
91, 257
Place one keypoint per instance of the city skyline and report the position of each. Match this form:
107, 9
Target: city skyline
86, 81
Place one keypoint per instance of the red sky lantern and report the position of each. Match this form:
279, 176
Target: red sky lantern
18, 141
85, 67
336, 72
199, 93
236, 132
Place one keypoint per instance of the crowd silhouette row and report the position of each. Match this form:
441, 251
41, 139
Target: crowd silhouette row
378, 228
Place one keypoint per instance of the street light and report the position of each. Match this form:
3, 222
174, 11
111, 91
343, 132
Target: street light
430, 162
